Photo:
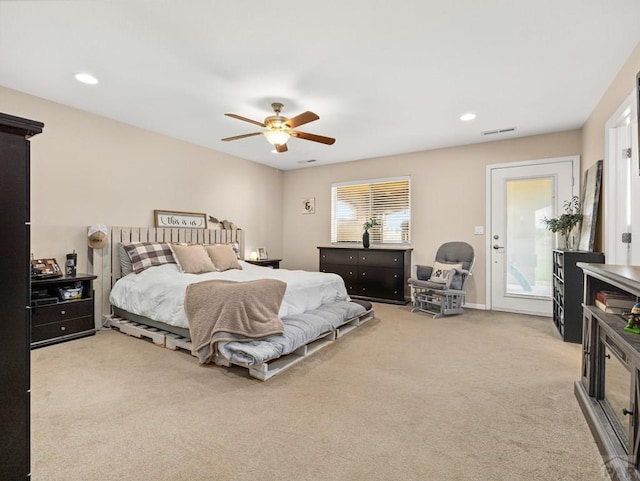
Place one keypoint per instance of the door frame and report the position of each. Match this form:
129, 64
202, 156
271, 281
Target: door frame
575, 162
628, 108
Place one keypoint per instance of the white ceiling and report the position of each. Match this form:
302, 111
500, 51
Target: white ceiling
384, 77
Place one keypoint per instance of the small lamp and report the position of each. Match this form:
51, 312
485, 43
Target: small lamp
253, 256
97, 236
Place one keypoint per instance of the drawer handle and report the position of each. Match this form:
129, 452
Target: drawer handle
364, 258
395, 276
62, 328
395, 260
626, 412
364, 273
350, 258
63, 312
350, 273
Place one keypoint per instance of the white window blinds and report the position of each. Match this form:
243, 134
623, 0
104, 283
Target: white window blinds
385, 200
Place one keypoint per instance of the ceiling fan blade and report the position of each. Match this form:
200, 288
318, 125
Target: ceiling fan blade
303, 118
281, 148
239, 117
313, 137
236, 137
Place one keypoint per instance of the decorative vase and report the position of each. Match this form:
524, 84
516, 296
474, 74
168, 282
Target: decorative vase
365, 239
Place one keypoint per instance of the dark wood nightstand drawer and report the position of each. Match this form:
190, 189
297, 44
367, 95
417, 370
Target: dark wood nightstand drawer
61, 312
62, 328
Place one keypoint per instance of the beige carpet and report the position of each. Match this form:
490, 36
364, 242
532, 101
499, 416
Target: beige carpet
482, 396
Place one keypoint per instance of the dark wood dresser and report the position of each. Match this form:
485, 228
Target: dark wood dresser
377, 274
15, 378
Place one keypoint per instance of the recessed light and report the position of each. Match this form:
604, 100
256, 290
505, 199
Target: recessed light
86, 78
468, 116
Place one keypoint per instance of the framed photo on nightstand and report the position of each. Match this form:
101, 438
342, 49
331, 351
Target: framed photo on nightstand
262, 254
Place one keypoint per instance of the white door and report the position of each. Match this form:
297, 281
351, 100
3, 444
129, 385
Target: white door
520, 248
622, 191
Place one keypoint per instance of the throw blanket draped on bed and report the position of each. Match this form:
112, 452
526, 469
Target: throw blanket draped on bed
232, 311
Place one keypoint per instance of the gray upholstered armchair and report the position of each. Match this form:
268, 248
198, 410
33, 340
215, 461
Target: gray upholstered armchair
439, 289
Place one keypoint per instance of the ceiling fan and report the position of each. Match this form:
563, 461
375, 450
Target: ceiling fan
280, 128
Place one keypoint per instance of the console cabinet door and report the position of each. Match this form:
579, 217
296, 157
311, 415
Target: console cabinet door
588, 357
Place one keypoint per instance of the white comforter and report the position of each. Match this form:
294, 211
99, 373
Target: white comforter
158, 292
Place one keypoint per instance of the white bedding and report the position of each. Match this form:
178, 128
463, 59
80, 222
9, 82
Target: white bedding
158, 292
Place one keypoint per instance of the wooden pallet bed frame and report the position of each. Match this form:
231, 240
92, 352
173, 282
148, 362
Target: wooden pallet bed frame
105, 263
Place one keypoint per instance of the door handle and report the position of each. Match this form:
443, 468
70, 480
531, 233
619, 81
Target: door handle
496, 247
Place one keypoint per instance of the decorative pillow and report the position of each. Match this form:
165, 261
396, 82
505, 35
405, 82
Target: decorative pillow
148, 254
192, 258
443, 272
223, 257
125, 260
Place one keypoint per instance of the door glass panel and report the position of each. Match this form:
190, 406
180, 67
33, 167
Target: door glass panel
528, 243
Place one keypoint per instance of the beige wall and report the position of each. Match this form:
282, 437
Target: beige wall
593, 131
448, 197
593, 135
87, 169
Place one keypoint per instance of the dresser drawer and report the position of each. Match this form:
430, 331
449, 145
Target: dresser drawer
348, 273
381, 282
62, 328
381, 258
338, 256
61, 312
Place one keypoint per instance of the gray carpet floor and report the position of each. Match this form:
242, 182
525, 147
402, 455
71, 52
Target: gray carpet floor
481, 396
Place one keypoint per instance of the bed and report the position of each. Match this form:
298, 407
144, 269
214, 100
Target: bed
315, 310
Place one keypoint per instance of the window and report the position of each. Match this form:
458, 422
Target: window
385, 200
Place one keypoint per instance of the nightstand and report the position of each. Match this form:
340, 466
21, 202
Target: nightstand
54, 319
273, 263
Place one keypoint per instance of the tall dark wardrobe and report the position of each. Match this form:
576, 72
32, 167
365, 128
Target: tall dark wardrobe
15, 277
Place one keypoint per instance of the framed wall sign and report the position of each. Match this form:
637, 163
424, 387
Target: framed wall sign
172, 218
309, 205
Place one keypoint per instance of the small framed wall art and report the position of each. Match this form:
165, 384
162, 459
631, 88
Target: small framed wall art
309, 205
172, 218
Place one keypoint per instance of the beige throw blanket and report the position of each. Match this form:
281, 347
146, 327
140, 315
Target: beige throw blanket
232, 311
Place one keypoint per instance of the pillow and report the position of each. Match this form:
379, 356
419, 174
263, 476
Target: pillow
192, 258
223, 257
148, 254
125, 260
442, 273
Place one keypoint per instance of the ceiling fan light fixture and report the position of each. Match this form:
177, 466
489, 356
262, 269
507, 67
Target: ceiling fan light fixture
86, 78
277, 137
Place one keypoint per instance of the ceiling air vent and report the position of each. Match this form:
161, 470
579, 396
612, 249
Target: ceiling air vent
305, 161
498, 131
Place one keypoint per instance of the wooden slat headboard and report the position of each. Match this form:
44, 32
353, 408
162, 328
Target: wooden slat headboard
105, 262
